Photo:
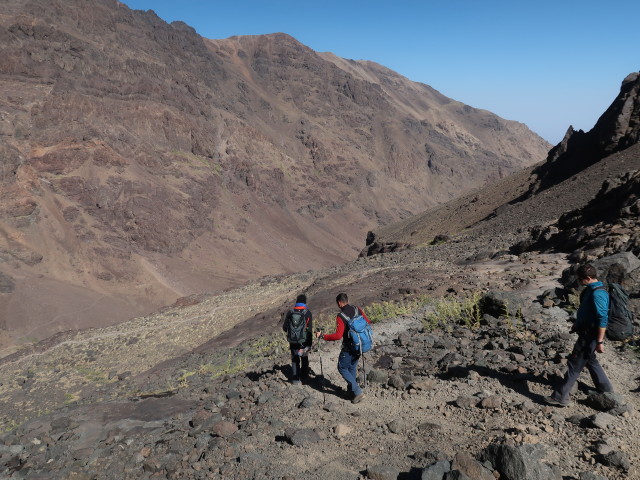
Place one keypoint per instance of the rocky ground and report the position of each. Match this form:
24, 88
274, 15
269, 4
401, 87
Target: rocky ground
465, 398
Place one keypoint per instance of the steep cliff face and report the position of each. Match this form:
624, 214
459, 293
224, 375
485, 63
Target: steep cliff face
617, 129
141, 162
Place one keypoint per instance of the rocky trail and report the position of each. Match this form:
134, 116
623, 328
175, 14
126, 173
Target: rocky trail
442, 401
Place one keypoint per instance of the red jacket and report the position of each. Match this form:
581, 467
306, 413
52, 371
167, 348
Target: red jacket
341, 330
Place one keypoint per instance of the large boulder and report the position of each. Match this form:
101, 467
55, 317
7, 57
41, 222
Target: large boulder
522, 462
615, 268
611, 269
509, 304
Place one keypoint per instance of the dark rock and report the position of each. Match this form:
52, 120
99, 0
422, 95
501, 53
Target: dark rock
377, 248
436, 471
469, 466
623, 263
492, 402
265, 397
467, 401
428, 427
577, 419
224, 428
489, 320
601, 420
200, 418
432, 456
456, 475
397, 382
621, 410
498, 304
522, 462
307, 402
616, 459
396, 426
590, 476
605, 401
449, 360
233, 395
302, 437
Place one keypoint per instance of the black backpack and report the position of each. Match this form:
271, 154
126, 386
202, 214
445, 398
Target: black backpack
297, 326
620, 316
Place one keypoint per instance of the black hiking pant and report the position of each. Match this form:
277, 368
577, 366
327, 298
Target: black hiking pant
583, 355
299, 363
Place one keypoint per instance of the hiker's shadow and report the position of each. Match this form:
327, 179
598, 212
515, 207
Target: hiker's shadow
326, 386
257, 376
314, 380
517, 382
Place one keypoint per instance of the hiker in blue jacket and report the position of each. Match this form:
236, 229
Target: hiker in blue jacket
591, 324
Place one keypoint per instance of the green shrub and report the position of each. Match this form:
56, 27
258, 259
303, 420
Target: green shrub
381, 311
454, 311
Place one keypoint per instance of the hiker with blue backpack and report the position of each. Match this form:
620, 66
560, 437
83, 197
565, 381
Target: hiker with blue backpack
353, 327
298, 324
592, 319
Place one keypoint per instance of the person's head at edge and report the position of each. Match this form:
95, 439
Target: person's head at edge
587, 273
342, 299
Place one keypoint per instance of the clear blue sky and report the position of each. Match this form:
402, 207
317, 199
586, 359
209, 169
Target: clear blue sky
548, 64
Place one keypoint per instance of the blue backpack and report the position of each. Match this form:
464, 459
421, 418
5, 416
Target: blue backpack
360, 333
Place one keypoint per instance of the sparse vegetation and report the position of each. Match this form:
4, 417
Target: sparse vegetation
94, 375
574, 301
450, 310
515, 323
234, 364
69, 398
380, 311
242, 359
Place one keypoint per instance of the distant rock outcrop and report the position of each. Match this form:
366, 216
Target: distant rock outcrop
609, 224
618, 128
375, 247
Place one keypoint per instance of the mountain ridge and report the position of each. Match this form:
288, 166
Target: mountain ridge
143, 163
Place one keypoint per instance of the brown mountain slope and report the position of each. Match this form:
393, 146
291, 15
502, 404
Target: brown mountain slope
142, 163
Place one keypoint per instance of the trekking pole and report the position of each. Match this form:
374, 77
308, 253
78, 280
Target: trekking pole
364, 372
321, 370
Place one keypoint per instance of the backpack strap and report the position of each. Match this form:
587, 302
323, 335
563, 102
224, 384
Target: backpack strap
347, 318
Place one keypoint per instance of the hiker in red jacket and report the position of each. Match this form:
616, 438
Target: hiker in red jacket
347, 360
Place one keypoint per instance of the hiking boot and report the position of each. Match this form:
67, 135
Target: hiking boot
357, 398
296, 381
556, 403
